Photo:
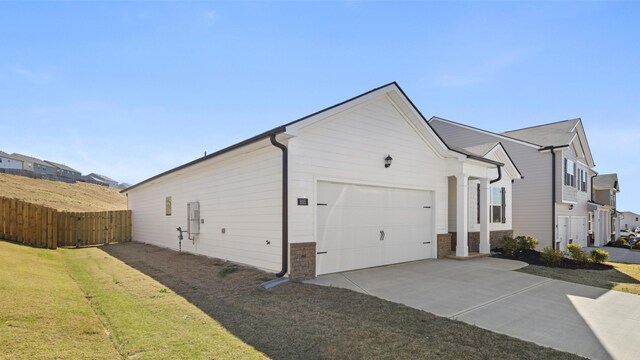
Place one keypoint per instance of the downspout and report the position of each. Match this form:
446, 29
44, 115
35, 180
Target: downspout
499, 175
553, 199
285, 207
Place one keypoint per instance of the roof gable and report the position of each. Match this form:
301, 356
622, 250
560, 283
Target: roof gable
553, 134
606, 182
400, 102
557, 134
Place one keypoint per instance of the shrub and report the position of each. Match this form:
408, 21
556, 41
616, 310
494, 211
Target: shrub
619, 242
509, 246
551, 257
599, 256
636, 246
526, 243
577, 253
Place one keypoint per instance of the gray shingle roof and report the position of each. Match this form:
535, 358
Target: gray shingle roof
29, 159
482, 149
555, 134
62, 166
605, 182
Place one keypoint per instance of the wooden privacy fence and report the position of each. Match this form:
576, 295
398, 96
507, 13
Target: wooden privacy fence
40, 226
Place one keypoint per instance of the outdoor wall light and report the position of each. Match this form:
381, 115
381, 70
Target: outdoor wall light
387, 161
570, 206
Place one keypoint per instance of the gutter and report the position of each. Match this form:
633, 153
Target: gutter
285, 203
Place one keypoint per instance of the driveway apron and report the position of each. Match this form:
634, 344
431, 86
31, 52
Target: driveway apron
589, 321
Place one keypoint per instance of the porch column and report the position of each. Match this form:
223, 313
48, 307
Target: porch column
617, 226
485, 246
462, 215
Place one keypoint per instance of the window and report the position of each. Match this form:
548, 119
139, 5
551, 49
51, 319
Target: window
168, 206
497, 205
583, 180
569, 172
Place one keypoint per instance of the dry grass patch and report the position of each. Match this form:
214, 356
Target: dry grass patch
623, 277
62, 196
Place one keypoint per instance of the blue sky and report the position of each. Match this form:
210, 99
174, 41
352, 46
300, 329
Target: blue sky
132, 89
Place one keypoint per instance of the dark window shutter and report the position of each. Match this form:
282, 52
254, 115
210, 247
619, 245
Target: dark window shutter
504, 205
566, 172
574, 175
478, 203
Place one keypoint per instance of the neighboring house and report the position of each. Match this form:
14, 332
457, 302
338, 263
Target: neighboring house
602, 209
9, 162
553, 202
36, 165
100, 180
364, 183
65, 171
629, 220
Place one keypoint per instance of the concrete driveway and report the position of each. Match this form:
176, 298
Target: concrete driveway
620, 254
580, 319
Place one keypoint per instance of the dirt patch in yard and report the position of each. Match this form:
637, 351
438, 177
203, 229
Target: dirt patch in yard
296, 320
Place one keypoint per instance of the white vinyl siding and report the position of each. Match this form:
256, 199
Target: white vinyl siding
350, 147
239, 192
532, 195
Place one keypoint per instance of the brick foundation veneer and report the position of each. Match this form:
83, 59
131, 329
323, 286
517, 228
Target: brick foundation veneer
474, 239
303, 261
444, 245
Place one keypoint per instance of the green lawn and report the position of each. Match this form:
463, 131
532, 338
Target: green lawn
43, 312
84, 304
136, 301
624, 277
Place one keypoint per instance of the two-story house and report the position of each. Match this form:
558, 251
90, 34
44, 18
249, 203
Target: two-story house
602, 208
553, 201
36, 165
629, 220
65, 171
9, 162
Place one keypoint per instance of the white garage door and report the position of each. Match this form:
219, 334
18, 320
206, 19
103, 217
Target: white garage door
365, 226
579, 230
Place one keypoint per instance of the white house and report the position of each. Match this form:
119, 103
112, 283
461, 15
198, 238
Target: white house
629, 220
9, 162
363, 183
553, 202
602, 207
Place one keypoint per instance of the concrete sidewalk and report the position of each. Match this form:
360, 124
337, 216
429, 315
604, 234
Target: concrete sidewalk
588, 321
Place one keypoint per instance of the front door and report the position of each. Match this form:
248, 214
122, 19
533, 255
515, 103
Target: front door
562, 239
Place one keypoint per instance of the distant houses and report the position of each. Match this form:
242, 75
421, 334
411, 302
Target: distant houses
65, 171
23, 165
100, 180
9, 162
38, 166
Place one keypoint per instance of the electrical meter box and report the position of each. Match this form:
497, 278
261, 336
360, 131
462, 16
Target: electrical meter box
193, 213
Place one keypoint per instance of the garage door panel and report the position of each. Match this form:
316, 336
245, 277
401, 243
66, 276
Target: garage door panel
350, 225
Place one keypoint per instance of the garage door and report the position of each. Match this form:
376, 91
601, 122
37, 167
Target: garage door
365, 226
579, 230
